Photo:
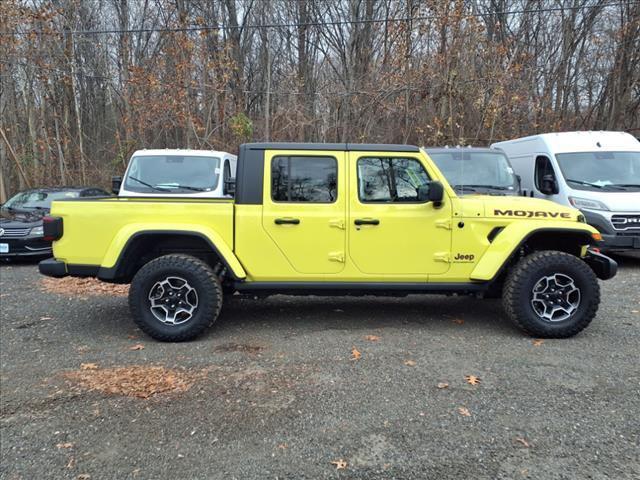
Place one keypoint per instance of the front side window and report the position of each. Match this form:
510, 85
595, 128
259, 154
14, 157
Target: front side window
304, 179
172, 174
390, 179
608, 171
543, 167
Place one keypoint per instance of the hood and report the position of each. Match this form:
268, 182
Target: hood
21, 218
525, 208
615, 201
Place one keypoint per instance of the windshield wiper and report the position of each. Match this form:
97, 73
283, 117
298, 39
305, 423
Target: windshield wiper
589, 184
464, 187
637, 185
183, 187
159, 189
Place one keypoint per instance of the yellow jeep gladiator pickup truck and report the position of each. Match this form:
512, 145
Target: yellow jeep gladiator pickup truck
332, 219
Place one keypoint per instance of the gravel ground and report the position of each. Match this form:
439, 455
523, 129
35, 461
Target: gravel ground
275, 393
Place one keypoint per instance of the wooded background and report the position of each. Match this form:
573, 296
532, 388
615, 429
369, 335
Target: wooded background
87, 82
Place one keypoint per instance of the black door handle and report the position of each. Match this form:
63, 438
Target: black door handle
366, 221
287, 221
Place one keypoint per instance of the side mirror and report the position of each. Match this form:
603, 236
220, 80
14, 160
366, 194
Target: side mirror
116, 181
549, 185
432, 192
229, 187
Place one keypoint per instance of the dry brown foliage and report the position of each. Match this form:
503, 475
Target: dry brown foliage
134, 381
73, 286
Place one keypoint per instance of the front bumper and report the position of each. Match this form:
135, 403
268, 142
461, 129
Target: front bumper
603, 266
26, 247
620, 242
613, 239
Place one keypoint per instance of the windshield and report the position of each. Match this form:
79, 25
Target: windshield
172, 174
37, 200
610, 171
477, 169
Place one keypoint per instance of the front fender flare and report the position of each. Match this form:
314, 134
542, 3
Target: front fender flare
513, 237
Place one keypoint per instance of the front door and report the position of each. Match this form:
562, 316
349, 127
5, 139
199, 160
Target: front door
304, 208
391, 232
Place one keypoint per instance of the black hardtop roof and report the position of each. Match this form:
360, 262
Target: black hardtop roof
358, 147
462, 149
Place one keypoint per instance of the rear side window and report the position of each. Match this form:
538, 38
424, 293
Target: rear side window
390, 179
304, 179
543, 167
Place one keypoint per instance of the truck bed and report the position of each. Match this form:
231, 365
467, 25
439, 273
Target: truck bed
96, 229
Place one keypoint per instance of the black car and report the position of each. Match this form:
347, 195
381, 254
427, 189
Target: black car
21, 232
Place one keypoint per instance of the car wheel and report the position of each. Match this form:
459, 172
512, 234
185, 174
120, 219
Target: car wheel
551, 294
175, 297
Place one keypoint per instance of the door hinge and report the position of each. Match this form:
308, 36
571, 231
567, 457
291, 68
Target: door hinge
336, 257
444, 223
442, 257
337, 224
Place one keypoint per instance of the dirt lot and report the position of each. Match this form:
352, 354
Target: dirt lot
274, 391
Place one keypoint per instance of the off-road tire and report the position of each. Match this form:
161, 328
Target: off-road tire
518, 293
199, 275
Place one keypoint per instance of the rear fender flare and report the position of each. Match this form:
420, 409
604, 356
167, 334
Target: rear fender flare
127, 234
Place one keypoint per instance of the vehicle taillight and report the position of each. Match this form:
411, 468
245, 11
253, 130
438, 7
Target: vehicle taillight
52, 227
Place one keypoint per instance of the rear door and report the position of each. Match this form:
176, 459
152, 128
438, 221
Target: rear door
304, 208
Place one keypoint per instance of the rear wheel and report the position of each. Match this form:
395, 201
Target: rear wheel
551, 294
175, 297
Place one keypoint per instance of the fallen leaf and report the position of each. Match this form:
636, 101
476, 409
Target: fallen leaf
340, 464
72, 462
132, 337
83, 476
45, 318
459, 321
81, 287
537, 342
372, 338
283, 446
472, 379
355, 354
137, 346
523, 442
442, 385
464, 411
65, 445
140, 381
410, 363
88, 366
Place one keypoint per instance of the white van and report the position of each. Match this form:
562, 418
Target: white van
185, 173
596, 172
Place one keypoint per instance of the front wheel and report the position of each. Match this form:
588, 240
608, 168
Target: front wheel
551, 294
175, 297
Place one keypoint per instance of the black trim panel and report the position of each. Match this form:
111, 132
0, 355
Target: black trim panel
357, 288
249, 176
